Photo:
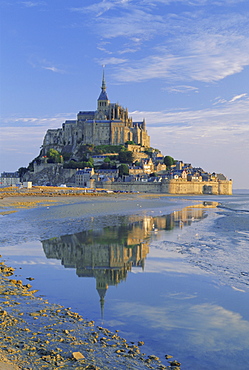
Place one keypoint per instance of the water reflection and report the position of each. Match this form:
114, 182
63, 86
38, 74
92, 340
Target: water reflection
108, 254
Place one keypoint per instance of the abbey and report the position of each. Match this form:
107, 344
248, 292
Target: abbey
110, 124
73, 155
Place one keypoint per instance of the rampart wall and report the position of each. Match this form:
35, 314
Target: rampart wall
171, 187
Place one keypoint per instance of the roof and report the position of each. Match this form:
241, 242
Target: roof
103, 95
84, 171
87, 112
107, 170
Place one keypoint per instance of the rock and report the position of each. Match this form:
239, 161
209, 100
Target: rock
77, 356
28, 286
168, 356
120, 350
47, 358
140, 343
175, 363
34, 314
155, 358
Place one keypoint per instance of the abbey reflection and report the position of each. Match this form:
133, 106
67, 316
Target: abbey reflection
108, 254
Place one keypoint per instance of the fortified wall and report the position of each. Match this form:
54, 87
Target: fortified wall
171, 187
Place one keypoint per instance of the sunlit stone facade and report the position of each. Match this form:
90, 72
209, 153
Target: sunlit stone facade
110, 124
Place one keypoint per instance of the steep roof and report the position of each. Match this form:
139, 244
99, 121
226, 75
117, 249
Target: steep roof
103, 95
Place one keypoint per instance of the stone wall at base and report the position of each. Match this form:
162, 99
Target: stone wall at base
171, 187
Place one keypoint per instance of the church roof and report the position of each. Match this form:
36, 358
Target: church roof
103, 95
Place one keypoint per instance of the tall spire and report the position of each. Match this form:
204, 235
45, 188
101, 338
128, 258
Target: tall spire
103, 95
103, 87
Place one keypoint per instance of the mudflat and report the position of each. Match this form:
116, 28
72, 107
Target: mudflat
35, 334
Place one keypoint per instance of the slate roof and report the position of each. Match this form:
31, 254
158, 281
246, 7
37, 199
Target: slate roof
103, 95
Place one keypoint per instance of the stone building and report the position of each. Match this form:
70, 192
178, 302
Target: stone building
110, 124
9, 179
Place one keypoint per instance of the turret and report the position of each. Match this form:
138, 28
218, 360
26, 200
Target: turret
144, 125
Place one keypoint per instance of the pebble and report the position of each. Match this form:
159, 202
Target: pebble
78, 356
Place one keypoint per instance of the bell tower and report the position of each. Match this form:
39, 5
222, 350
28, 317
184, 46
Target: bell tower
103, 101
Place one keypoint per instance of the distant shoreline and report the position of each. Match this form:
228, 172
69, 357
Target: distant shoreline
14, 199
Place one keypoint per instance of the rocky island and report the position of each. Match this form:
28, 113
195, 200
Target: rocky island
106, 149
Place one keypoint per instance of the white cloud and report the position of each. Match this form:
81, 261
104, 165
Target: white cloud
54, 69
204, 326
112, 60
209, 58
165, 265
102, 7
44, 122
42, 63
188, 46
228, 116
135, 24
129, 21
32, 4
238, 97
182, 89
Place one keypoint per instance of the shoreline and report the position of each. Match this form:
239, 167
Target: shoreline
13, 199
37, 333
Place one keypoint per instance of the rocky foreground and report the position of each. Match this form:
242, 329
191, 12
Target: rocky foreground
35, 334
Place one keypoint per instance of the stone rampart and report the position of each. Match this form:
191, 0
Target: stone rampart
171, 187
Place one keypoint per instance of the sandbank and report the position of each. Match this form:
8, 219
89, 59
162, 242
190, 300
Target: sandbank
13, 199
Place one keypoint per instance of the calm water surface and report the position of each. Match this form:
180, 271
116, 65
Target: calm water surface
179, 281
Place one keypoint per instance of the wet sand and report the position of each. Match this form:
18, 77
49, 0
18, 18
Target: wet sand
35, 334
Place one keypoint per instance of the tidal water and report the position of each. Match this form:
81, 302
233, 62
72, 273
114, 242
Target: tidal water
175, 277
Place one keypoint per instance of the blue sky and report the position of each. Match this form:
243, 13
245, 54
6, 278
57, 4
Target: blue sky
181, 65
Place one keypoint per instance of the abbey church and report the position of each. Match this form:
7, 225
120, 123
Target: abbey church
110, 124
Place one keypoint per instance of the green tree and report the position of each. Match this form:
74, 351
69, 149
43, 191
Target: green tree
123, 170
54, 156
168, 160
90, 162
125, 157
107, 160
